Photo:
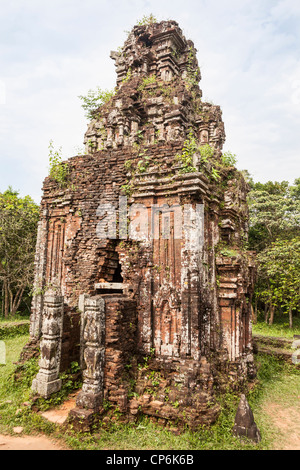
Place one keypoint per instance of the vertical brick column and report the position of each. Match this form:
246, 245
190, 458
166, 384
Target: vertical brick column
120, 345
47, 380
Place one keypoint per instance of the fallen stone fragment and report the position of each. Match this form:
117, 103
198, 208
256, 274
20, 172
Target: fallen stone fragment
18, 430
244, 425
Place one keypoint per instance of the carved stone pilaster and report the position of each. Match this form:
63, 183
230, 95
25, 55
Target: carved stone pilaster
47, 380
93, 352
39, 278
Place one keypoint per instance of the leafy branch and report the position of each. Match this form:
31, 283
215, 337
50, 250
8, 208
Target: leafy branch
146, 20
190, 148
94, 99
58, 169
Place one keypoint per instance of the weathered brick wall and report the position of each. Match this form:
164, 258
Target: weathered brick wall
120, 346
197, 326
186, 303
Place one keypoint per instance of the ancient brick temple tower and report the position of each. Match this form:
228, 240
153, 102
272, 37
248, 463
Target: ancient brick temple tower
141, 272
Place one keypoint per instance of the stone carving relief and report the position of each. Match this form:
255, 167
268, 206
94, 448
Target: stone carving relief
47, 380
93, 353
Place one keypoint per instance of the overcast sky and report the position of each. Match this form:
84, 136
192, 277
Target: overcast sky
51, 52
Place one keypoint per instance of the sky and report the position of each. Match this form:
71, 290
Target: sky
52, 52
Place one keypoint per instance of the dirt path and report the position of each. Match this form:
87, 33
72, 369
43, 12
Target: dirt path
58, 416
27, 443
286, 422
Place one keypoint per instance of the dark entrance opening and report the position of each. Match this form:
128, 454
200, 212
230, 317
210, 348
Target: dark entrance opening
117, 277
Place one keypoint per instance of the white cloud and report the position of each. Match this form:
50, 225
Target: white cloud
285, 9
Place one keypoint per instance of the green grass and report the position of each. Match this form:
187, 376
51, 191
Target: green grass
13, 348
280, 328
16, 318
13, 394
278, 382
14, 328
278, 389
145, 435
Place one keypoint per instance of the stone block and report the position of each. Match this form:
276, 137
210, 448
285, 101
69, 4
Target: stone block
244, 425
43, 387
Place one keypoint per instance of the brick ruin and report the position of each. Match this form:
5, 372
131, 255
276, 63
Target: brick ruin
160, 320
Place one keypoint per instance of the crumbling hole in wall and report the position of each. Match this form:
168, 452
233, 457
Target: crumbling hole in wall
109, 268
117, 277
110, 279
145, 39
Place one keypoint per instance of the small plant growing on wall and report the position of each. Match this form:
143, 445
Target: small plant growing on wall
94, 99
146, 20
193, 71
190, 147
151, 80
58, 169
128, 76
207, 152
188, 151
229, 159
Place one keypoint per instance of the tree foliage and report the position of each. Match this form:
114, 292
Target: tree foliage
229, 159
94, 99
280, 269
18, 227
58, 169
273, 214
274, 234
146, 20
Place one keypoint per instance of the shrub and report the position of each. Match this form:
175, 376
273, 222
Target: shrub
229, 159
94, 99
58, 170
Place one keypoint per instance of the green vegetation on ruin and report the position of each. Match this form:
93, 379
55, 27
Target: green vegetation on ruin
146, 20
207, 163
94, 100
58, 170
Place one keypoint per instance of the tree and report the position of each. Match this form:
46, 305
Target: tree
295, 190
273, 213
18, 227
280, 269
274, 235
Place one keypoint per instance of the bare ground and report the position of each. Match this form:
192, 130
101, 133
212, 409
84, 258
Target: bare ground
28, 443
286, 423
58, 416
